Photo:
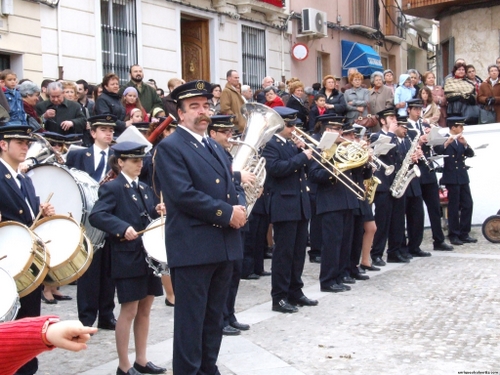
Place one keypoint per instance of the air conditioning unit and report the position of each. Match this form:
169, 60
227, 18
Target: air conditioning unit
314, 22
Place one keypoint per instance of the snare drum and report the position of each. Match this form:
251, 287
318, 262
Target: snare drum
154, 244
27, 257
9, 299
75, 193
71, 254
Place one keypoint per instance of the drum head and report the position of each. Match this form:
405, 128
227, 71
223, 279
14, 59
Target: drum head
17, 243
67, 198
9, 297
154, 241
62, 237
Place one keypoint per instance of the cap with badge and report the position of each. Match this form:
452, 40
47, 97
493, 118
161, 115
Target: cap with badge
103, 120
54, 137
386, 112
331, 121
73, 139
142, 126
16, 132
415, 103
129, 149
348, 128
192, 89
455, 121
221, 122
403, 121
289, 115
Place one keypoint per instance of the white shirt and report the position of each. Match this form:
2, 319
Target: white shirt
195, 135
97, 159
129, 180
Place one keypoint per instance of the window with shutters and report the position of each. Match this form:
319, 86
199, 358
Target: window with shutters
253, 43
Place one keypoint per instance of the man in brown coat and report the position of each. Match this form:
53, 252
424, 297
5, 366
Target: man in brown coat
489, 91
231, 99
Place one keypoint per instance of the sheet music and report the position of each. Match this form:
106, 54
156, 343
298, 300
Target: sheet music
434, 138
327, 140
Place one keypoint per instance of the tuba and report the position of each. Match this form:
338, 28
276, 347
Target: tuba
262, 123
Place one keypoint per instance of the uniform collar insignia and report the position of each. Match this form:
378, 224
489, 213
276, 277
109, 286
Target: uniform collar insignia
194, 144
133, 197
8, 176
127, 186
88, 154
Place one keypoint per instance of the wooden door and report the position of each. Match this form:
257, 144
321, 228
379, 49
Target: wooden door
195, 50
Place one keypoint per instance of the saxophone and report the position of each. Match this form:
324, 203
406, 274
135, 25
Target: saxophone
407, 172
262, 123
371, 187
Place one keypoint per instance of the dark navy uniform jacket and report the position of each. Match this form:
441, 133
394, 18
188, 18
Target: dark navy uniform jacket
83, 160
455, 170
12, 203
199, 193
118, 207
393, 157
287, 179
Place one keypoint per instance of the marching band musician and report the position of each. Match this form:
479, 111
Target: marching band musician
201, 232
336, 204
125, 207
414, 204
221, 130
456, 180
428, 180
389, 211
290, 211
95, 288
20, 203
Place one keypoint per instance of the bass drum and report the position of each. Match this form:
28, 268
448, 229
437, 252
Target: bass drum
75, 194
27, 258
154, 244
9, 299
66, 242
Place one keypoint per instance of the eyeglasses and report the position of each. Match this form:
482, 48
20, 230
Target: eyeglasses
229, 131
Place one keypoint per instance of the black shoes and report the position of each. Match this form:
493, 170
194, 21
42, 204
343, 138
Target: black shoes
48, 301
168, 303
334, 288
348, 280
265, 273
377, 261
420, 254
369, 268
62, 298
456, 241
359, 276
314, 259
240, 326
283, 306
230, 331
443, 246
269, 253
304, 301
131, 371
107, 324
468, 239
252, 276
150, 368
396, 257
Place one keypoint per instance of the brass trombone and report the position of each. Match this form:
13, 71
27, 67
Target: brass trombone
323, 158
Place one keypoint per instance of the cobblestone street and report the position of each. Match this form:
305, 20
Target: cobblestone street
436, 315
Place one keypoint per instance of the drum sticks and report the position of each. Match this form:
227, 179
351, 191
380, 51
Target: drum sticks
40, 212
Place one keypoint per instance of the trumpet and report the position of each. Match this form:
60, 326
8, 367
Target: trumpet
375, 163
323, 159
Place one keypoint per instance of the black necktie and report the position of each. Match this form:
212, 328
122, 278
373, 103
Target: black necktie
100, 168
23, 186
207, 145
134, 186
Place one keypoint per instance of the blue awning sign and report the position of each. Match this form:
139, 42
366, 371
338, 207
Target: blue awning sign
360, 56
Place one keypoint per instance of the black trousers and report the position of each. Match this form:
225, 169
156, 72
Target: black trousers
389, 218
30, 306
200, 295
255, 245
228, 313
414, 208
337, 242
95, 290
315, 230
459, 210
357, 243
430, 195
290, 238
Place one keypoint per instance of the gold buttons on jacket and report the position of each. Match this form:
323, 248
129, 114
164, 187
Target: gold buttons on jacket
219, 213
21, 212
217, 181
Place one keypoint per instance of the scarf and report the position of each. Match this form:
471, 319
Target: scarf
458, 87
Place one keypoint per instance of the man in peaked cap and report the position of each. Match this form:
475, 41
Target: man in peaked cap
95, 289
20, 203
202, 230
456, 180
290, 211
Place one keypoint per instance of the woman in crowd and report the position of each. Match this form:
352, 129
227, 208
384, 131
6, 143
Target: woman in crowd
130, 100
296, 100
335, 101
30, 93
489, 91
389, 79
109, 102
470, 72
381, 96
272, 98
69, 91
357, 98
438, 96
430, 111
460, 94
215, 101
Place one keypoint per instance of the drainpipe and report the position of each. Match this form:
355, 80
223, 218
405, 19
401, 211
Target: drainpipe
59, 43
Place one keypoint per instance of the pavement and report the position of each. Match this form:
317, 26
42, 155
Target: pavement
436, 315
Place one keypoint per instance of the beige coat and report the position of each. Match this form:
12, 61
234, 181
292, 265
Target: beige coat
231, 102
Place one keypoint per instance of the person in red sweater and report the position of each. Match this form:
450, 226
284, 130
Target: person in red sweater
21, 340
272, 98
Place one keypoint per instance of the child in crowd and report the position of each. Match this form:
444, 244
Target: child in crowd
403, 93
318, 109
8, 82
